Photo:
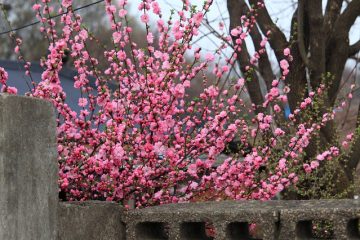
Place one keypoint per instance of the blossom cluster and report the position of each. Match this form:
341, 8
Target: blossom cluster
139, 137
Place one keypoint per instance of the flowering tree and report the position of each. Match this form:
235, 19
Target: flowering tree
144, 140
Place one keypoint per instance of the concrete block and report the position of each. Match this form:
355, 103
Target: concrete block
297, 221
93, 220
186, 221
28, 169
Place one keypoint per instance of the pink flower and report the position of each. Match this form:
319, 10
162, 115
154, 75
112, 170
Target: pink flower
122, 13
83, 102
83, 34
320, 157
209, 57
277, 108
193, 185
3, 76
284, 64
307, 168
36, 7
308, 101
286, 51
235, 32
225, 68
279, 132
263, 42
119, 151
150, 38
198, 17
158, 194
282, 163
314, 164
121, 55
66, 3
179, 91
144, 18
212, 91
350, 136
9, 90
156, 8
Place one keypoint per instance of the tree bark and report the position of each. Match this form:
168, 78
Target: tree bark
236, 9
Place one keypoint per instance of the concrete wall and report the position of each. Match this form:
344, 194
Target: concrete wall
28, 169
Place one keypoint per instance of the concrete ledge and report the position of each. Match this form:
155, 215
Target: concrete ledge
94, 220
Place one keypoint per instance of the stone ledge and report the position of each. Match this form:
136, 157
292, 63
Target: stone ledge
94, 220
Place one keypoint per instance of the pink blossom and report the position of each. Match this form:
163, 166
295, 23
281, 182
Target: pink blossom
277, 108
314, 164
150, 38
66, 3
122, 13
144, 18
83, 102
9, 90
286, 52
279, 132
284, 64
118, 151
235, 32
307, 168
156, 8
198, 17
3, 76
179, 91
36, 7
209, 57
282, 163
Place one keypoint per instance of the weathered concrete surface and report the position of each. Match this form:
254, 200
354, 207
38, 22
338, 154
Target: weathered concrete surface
296, 218
93, 220
28, 169
185, 221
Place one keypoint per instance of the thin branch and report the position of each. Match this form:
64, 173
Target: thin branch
265, 68
277, 40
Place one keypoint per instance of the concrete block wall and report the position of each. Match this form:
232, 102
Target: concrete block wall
231, 220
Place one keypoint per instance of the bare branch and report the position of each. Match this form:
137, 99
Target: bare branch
332, 12
278, 40
354, 48
348, 17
